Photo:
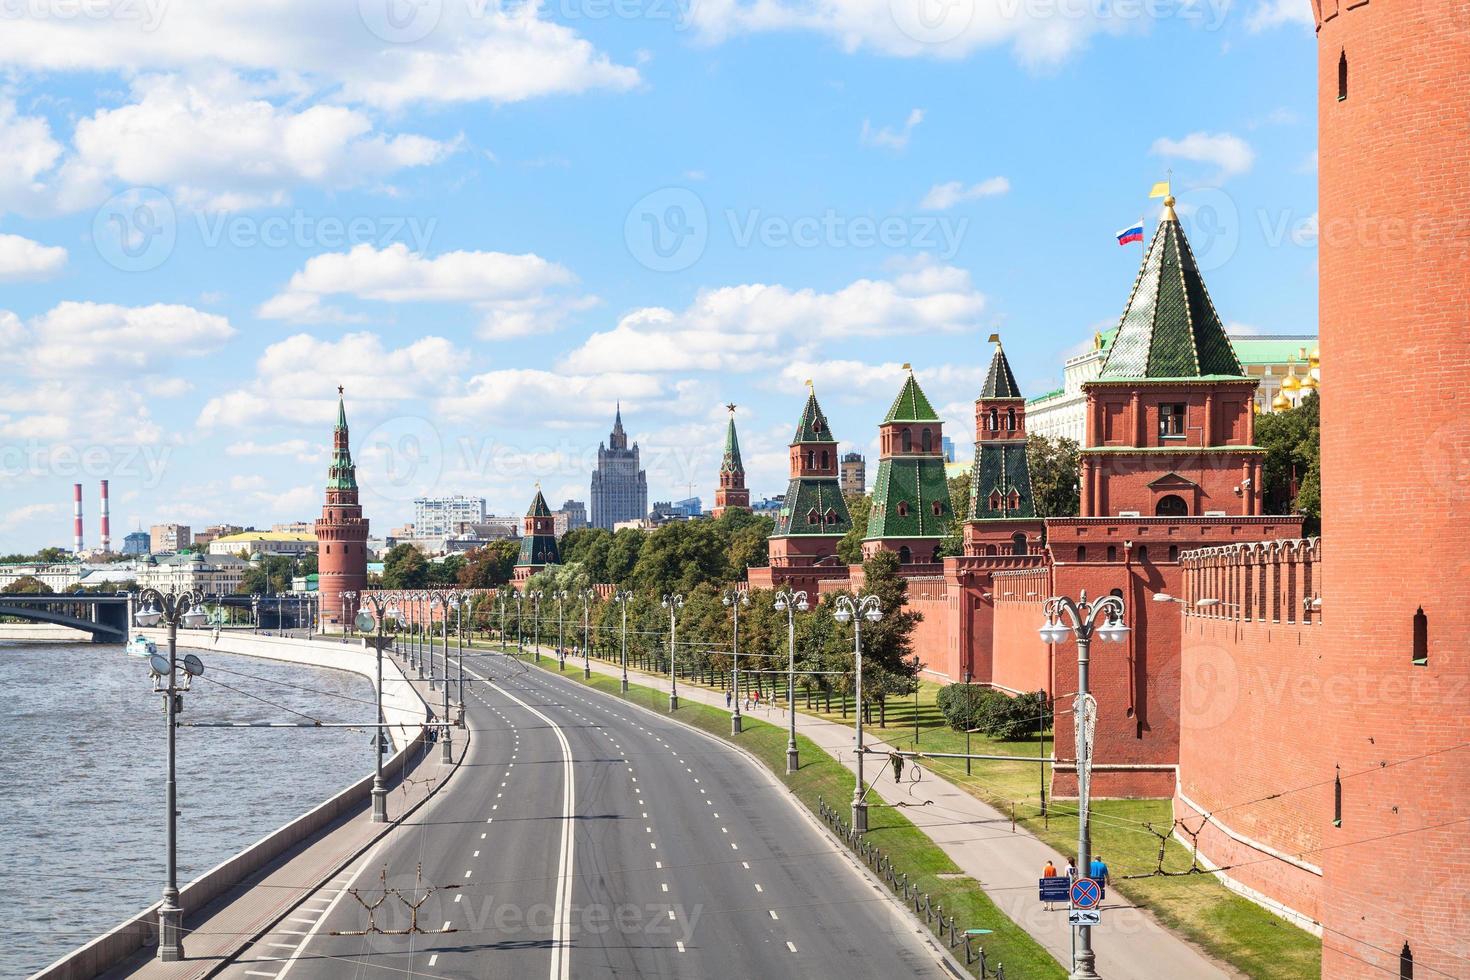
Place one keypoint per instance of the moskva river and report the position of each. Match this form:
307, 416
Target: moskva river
82, 765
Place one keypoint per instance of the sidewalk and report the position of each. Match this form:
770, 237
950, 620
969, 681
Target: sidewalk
1130, 944
217, 933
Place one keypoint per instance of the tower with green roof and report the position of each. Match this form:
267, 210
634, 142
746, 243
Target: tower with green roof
538, 540
731, 492
813, 515
1002, 517
341, 532
1170, 421
911, 511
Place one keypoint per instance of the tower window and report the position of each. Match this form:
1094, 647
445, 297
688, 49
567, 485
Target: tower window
907, 440
1112, 552
903, 508
1406, 963
1082, 552
1171, 420
1342, 77
812, 517
905, 557
1337, 798
926, 440
1421, 638
994, 420
938, 508
1018, 543
824, 459
811, 459
831, 516
1010, 420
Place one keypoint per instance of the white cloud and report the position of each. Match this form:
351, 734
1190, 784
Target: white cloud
516, 294
548, 396
888, 138
61, 410
80, 339
1039, 34
296, 379
301, 450
751, 327
942, 197
220, 145
445, 53
1276, 13
22, 259
15, 518
30, 153
1231, 154
878, 384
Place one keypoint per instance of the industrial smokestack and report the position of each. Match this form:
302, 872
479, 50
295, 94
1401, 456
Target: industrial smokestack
106, 523
76, 514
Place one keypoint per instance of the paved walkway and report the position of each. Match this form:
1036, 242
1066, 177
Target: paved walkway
217, 932
1130, 945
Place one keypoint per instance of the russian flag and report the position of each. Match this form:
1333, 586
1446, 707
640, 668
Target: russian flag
1133, 233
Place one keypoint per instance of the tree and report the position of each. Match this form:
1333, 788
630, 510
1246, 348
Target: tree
622, 555
272, 574
26, 585
850, 548
748, 542
889, 664
1056, 475
959, 502
445, 572
1292, 440
490, 565
405, 567
680, 555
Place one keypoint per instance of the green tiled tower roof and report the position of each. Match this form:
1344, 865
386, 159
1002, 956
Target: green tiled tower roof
538, 549
1000, 382
1170, 328
805, 495
731, 463
342, 474
911, 405
999, 468
813, 425
538, 507
916, 482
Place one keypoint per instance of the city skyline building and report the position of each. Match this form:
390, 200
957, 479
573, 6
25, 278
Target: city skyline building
619, 484
439, 516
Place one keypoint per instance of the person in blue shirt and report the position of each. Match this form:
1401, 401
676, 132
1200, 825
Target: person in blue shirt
1098, 871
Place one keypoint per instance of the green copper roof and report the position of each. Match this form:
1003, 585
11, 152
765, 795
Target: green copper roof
808, 497
731, 463
910, 405
1001, 470
904, 498
538, 506
342, 474
1170, 328
813, 425
538, 549
999, 381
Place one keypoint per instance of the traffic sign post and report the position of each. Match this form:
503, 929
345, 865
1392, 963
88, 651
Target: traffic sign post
1084, 917
1055, 889
1086, 893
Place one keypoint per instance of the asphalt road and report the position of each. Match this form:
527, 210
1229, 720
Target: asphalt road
584, 837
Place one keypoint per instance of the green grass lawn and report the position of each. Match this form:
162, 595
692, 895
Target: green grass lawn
823, 777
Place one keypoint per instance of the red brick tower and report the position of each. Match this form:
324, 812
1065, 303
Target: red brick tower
341, 533
538, 541
911, 512
731, 492
1169, 465
1394, 261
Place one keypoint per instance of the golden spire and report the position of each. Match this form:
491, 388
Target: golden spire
908, 367
995, 339
1169, 214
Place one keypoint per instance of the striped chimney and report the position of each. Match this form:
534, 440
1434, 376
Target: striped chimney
76, 515
106, 522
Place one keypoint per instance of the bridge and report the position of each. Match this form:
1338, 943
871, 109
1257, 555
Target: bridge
103, 616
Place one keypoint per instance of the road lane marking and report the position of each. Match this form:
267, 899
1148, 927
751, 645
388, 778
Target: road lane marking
790, 945
773, 914
759, 888
680, 945
435, 958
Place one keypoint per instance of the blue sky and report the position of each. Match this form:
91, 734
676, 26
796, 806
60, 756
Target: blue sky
491, 223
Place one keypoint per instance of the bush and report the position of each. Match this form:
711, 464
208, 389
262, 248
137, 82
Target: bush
967, 706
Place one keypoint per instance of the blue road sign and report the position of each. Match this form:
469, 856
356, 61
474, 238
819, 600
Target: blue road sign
1086, 893
1054, 889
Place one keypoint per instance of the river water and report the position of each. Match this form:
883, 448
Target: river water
82, 767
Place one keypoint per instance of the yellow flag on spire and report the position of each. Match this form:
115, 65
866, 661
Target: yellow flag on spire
1161, 189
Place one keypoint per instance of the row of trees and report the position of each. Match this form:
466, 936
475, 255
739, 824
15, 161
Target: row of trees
824, 647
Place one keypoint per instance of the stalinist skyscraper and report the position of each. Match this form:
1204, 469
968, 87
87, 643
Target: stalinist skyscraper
619, 487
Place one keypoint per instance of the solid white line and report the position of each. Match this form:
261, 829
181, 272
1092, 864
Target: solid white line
327, 912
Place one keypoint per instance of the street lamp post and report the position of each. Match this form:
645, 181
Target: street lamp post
443, 600
622, 599
1083, 616
561, 650
735, 598
587, 595
255, 614
854, 609
383, 608
459, 608
520, 598
791, 603
172, 610
673, 603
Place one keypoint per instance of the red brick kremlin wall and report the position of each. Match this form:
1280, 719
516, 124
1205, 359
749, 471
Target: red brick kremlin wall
1020, 661
1394, 265
1251, 702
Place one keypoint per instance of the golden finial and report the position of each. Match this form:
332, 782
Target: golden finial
1169, 214
908, 367
810, 385
995, 338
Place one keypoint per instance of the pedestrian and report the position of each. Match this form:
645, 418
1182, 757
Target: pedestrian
1071, 870
728, 698
1050, 871
1098, 872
